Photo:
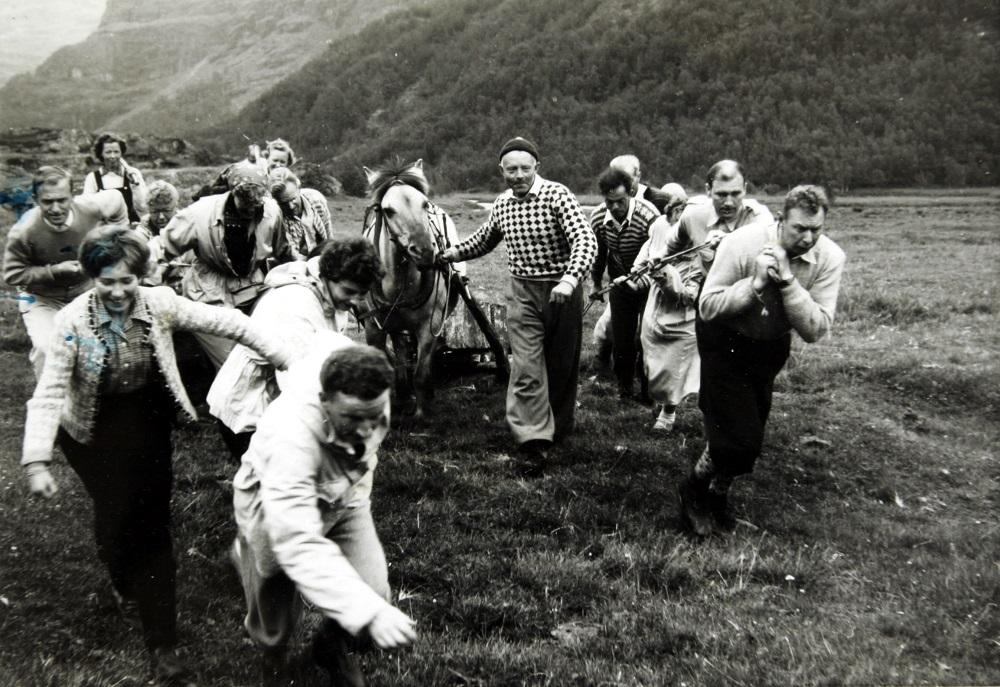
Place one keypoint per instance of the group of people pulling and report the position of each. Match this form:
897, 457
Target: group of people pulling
108, 278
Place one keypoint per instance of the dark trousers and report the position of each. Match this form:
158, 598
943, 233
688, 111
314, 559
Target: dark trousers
127, 471
737, 379
236, 442
626, 314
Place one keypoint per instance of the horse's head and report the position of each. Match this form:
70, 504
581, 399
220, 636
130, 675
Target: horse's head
400, 195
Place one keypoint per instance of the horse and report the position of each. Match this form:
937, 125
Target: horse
416, 295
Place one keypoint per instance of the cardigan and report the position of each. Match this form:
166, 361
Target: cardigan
67, 391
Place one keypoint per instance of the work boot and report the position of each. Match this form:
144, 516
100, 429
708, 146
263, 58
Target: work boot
722, 514
273, 669
128, 608
170, 669
532, 458
695, 513
331, 650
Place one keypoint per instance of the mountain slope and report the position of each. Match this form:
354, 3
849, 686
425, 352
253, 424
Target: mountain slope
852, 93
168, 68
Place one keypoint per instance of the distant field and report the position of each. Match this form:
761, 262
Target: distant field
869, 557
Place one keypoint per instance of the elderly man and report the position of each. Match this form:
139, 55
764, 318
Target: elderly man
41, 251
306, 214
767, 280
730, 209
234, 237
550, 248
621, 227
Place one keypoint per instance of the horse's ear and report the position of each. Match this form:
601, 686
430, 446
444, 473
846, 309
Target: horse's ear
369, 175
419, 164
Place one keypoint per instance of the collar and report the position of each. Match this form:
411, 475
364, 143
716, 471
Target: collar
320, 287
713, 216
356, 454
61, 227
610, 219
229, 210
535, 189
139, 312
640, 190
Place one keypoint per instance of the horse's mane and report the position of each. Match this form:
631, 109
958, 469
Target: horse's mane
398, 172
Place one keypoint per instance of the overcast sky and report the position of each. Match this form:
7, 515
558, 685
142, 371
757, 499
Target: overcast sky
31, 30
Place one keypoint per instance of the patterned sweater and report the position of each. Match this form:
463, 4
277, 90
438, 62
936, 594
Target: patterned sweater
617, 245
67, 392
546, 233
34, 245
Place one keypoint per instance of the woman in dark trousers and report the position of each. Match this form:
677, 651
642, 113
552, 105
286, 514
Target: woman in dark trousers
106, 396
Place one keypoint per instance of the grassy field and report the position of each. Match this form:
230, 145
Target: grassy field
868, 551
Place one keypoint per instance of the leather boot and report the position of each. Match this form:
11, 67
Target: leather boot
695, 513
332, 652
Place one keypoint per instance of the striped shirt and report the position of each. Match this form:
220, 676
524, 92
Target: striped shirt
618, 243
311, 226
546, 233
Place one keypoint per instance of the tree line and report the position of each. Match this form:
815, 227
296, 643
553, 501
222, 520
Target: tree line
857, 93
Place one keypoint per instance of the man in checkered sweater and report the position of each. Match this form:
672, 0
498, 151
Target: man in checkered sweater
550, 247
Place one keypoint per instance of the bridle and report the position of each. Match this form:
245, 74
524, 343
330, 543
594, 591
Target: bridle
428, 276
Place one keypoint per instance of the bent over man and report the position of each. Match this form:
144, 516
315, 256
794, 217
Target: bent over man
303, 508
767, 280
303, 298
550, 247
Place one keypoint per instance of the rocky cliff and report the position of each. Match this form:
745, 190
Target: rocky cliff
171, 68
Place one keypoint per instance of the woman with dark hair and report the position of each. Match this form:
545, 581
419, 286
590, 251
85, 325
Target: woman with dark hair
106, 397
115, 173
302, 298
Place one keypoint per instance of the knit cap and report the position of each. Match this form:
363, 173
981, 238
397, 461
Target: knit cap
519, 143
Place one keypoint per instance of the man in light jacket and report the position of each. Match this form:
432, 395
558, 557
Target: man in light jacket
302, 505
235, 238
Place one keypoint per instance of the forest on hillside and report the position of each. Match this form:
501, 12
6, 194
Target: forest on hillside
857, 93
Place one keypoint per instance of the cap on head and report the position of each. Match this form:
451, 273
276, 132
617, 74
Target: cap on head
519, 143
246, 173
